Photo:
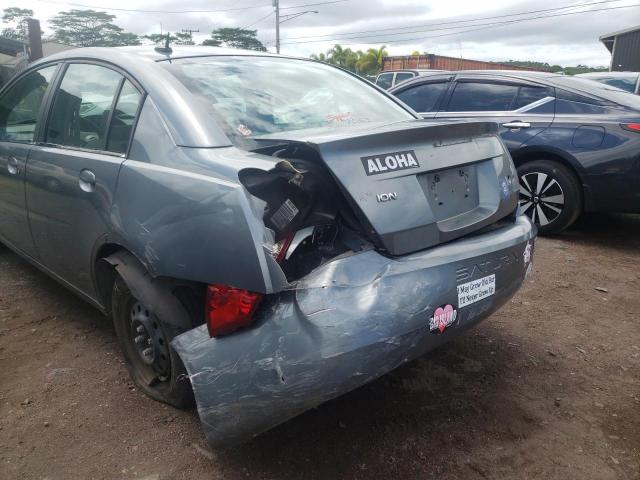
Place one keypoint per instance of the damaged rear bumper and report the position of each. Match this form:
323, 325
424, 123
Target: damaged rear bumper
345, 324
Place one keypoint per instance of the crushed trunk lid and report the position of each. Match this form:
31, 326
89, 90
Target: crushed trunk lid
413, 185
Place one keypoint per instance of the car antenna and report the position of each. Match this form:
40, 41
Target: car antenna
166, 49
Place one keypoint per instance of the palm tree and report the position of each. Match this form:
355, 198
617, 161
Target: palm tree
370, 63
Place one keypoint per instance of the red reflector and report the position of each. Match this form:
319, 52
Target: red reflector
634, 127
282, 247
229, 308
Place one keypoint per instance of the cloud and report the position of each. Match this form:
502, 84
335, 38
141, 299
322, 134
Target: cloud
399, 24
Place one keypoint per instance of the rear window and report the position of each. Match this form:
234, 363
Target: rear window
253, 96
385, 80
403, 77
628, 84
423, 98
482, 97
529, 94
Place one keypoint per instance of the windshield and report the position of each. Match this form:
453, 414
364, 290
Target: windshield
598, 89
253, 96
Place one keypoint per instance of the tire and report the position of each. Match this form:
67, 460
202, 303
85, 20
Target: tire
161, 374
550, 195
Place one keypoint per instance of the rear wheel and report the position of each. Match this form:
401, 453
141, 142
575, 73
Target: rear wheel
145, 342
550, 195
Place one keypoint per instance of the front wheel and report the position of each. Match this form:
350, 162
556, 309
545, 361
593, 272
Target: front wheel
145, 342
550, 195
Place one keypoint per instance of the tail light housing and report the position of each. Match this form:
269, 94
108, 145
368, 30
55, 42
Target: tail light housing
632, 127
229, 308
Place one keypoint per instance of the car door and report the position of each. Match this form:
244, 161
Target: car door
424, 96
71, 175
20, 109
522, 109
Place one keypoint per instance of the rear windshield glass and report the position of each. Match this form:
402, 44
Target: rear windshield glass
600, 90
628, 84
253, 96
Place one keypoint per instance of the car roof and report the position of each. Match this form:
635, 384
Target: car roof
152, 52
414, 70
608, 74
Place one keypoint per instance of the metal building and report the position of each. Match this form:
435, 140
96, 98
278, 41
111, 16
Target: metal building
625, 49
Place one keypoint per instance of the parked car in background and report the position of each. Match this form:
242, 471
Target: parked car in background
391, 78
627, 81
267, 233
575, 142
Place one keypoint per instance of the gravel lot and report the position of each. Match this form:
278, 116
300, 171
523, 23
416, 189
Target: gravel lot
548, 387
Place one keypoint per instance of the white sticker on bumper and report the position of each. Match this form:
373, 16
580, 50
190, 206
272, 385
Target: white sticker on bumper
476, 290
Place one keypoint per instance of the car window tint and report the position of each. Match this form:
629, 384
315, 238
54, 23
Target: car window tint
123, 118
384, 80
402, 77
81, 107
423, 98
528, 95
569, 107
479, 97
20, 105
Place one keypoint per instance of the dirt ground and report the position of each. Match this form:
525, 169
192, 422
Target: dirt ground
548, 387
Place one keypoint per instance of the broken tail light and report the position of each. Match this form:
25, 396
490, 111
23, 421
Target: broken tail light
229, 308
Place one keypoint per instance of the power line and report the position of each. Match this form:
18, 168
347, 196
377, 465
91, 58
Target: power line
404, 40
455, 21
234, 9
314, 4
258, 21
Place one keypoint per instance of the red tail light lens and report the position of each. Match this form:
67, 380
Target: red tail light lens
229, 308
632, 127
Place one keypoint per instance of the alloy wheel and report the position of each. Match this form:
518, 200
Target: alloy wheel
541, 197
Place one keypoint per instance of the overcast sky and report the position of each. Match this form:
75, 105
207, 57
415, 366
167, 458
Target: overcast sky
402, 25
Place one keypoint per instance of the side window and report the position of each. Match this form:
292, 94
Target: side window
123, 118
423, 98
384, 80
482, 97
403, 77
20, 106
529, 94
82, 105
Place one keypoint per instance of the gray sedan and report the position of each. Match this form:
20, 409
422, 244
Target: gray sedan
266, 233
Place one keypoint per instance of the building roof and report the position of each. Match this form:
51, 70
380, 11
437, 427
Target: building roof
609, 38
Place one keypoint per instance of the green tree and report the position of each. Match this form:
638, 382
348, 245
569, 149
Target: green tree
235, 38
17, 20
371, 62
180, 38
90, 28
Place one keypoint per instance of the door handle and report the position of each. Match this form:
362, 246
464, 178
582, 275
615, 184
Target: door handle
515, 125
12, 165
87, 180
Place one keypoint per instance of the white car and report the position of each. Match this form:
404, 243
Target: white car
627, 81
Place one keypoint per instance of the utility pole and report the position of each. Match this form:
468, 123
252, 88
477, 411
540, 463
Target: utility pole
276, 4
190, 33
